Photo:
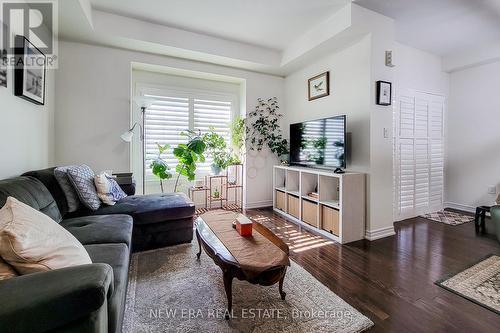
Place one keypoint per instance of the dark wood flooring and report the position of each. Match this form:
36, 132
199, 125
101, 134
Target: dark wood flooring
391, 280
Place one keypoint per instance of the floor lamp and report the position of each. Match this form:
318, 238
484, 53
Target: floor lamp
143, 103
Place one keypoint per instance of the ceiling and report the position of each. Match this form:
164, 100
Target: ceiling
272, 24
442, 27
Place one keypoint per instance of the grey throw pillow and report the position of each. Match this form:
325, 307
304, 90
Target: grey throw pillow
82, 178
61, 174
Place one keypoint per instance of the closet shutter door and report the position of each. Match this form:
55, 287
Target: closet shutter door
419, 154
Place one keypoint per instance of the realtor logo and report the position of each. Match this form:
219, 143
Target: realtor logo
35, 20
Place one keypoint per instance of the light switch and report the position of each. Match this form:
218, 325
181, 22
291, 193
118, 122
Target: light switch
386, 133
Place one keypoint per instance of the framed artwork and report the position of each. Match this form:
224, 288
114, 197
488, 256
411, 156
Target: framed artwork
384, 93
319, 86
3, 60
29, 74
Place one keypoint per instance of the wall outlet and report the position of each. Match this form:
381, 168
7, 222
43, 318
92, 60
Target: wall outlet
492, 189
386, 133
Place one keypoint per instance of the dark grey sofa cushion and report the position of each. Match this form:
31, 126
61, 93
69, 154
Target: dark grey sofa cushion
46, 176
32, 192
117, 256
150, 208
100, 229
61, 174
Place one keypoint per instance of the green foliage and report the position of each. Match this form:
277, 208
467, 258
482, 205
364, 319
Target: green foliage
217, 148
264, 128
237, 128
188, 154
159, 167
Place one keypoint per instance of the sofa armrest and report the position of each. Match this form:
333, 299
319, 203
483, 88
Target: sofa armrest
43, 301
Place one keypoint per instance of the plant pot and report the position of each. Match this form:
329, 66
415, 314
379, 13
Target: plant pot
216, 170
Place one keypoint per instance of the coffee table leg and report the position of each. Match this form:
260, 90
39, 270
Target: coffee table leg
282, 293
199, 245
228, 285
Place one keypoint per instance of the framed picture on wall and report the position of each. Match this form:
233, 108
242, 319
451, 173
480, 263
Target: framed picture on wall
319, 86
29, 74
3, 58
384, 93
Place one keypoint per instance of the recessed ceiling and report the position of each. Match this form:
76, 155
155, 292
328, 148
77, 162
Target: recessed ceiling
442, 27
267, 23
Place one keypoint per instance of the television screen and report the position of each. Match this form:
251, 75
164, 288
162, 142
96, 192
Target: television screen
319, 143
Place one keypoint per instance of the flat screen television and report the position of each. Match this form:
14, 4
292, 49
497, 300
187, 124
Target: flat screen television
319, 143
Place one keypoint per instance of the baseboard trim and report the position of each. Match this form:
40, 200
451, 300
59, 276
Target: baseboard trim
372, 235
465, 208
258, 204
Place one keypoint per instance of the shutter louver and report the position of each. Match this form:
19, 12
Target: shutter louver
163, 121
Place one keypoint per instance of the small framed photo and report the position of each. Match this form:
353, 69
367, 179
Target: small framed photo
384, 93
29, 74
319, 86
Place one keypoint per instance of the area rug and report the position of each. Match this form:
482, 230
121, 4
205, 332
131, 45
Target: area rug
170, 291
479, 283
450, 218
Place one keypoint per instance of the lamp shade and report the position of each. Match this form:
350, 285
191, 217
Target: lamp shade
143, 101
127, 136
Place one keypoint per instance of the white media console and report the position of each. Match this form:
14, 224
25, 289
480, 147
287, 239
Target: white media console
336, 210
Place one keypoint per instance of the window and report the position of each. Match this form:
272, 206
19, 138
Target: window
176, 111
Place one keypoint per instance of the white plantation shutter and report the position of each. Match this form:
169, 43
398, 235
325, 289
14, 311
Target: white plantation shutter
419, 154
162, 123
173, 112
212, 113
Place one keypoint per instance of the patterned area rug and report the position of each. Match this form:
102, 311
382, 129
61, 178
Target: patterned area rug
479, 283
447, 217
170, 291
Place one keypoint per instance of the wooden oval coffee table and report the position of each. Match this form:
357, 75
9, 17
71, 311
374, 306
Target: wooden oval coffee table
231, 269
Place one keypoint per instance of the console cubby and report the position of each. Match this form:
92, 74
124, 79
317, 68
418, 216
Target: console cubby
292, 182
337, 213
329, 191
308, 184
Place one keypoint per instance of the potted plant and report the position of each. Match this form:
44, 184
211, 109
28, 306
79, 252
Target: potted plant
217, 149
263, 128
237, 130
159, 166
188, 154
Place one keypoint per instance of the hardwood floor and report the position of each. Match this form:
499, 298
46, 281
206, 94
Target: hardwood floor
391, 280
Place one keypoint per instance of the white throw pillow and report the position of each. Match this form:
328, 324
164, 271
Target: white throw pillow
108, 189
30, 241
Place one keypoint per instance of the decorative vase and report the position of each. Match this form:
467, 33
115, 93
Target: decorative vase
216, 170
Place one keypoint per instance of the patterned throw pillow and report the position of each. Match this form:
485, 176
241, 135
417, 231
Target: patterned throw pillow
82, 178
108, 189
61, 174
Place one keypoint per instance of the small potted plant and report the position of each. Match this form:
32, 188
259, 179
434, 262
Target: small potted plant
217, 149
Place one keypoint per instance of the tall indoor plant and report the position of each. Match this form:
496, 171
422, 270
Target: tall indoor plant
188, 154
263, 128
159, 166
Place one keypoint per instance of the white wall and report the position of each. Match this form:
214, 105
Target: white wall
349, 95
26, 132
473, 138
93, 107
420, 70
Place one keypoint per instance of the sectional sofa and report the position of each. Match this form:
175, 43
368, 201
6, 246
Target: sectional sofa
88, 298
